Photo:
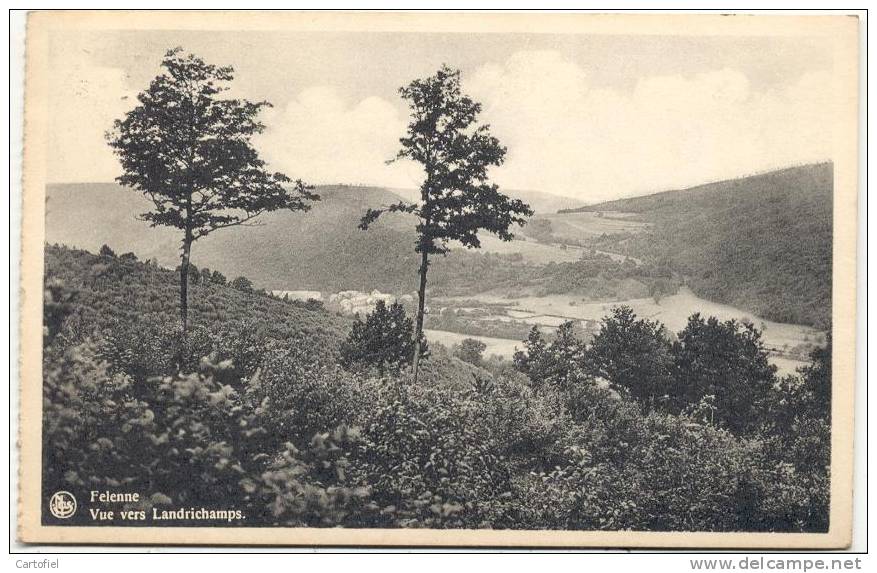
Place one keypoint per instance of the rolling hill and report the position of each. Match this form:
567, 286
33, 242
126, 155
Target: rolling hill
541, 202
762, 242
320, 249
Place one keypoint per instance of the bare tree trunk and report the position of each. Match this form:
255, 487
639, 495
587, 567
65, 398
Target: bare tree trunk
184, 281
418, 329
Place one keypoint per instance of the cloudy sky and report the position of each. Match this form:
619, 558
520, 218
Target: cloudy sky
588, 117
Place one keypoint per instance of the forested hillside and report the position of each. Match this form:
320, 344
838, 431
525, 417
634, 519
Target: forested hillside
319, 249
763, 243
291, 416
121, 299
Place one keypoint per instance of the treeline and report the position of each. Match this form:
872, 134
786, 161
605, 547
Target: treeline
595, 275
328, 253
300, 419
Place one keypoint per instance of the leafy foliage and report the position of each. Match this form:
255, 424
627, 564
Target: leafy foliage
725, 360
429, 462
242, 284
385, 340
455, 152
267, 423
558, 363
298, 395
471, 351
633, 355
190, 152
814, 392
456, 200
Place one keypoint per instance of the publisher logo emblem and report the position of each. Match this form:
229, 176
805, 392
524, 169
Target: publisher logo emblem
62, 505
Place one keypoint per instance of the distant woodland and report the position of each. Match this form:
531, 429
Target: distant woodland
763, 243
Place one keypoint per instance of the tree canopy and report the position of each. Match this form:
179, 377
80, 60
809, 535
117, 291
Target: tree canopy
633, 354
384, 340
190, 152
456, 198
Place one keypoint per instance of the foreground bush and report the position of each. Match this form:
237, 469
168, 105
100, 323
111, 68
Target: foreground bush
429, 462
259, 416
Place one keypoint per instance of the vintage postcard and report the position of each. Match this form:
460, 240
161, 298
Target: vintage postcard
439, 279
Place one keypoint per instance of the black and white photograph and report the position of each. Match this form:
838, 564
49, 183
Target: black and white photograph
439, 279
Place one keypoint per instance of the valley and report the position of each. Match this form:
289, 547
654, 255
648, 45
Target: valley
715, 249
788, 344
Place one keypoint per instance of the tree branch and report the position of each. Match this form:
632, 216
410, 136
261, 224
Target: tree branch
234, 223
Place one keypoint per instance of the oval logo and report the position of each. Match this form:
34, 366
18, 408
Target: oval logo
62, 505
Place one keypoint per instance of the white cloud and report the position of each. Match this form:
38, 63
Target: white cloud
84, 100
564, 134
321, 138
567, 137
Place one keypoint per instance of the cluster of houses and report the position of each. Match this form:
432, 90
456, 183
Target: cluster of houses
347, 301
351, 302
303, 295
354, 301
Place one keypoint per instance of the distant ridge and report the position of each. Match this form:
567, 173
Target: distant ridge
761, 242
321, 249
541, 202
654, 201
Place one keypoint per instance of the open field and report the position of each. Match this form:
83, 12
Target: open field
499, 346
587, 225
533, 252
673, 311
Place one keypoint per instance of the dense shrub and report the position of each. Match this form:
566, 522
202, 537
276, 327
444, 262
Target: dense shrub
109, 292
727, 361
195, 443
633, 355
310, 487
471, 351
186, 444
560, 363
429, 462
253, 412
296, 395
153, 346
385, 340
242, 284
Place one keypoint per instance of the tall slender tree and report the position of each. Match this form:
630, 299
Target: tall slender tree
456, 198
189, 151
